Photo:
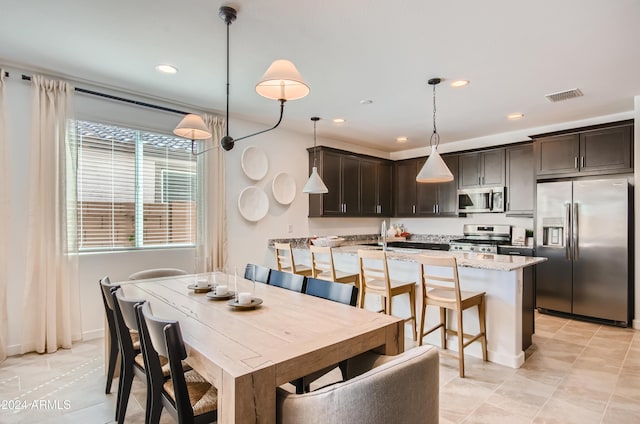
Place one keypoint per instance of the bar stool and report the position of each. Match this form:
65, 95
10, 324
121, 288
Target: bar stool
284, 259
375, 280
322, 267
443, 290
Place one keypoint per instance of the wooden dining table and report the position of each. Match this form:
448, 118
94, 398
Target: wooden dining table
247, 353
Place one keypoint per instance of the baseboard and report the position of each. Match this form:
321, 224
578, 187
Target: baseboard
636, 324
93, 334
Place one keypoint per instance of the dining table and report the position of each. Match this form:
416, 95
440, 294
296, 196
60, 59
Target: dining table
247, 352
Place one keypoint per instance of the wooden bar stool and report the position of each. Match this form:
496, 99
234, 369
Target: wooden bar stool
375, 280
323, 268
443, 290
285, 261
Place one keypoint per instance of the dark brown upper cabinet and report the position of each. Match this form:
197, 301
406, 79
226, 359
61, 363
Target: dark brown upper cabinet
605, 149
358, 185
520, 180
414, 199
481, 169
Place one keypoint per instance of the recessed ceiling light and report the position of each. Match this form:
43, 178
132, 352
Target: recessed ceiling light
514, 116
339, 121
366, 102
401, 139
166, 69
459, 83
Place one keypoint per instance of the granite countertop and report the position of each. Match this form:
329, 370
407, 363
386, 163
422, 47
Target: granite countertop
471, 260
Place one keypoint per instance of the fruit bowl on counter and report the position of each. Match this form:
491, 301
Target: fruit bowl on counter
332, 241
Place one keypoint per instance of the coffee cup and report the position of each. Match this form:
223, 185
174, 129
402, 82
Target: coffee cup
221, 290
202, 283
244, 298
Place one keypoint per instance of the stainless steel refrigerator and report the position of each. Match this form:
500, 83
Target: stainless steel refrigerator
582, 227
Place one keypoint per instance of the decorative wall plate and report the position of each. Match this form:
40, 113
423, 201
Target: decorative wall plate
284, 188
253, 203
254, 163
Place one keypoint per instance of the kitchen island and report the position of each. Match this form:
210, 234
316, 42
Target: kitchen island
506, 280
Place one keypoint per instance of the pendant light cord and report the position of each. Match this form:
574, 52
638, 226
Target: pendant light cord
315, 151
228, 22
435, 132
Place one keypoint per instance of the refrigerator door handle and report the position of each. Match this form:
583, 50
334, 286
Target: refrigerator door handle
567, 227
490, 200
575, 232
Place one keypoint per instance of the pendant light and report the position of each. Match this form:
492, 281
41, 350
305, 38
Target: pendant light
281, 82
315, 185
434, 169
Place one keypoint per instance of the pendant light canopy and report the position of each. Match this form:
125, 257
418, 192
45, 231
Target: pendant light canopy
281, 82
315, 185
434, 169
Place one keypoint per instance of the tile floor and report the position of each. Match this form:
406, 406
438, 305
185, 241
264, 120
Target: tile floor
575, 372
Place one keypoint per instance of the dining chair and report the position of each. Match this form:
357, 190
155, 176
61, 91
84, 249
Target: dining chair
259, 273
337, 292
156, 273
322, 267
403, 389
442, 289
286, 261
374, 279
287, 280
132, 364
114, 350
187, 396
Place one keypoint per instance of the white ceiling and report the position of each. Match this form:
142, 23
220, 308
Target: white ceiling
513, 52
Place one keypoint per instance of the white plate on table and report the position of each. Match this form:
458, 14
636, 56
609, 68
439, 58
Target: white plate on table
254, 163
227, 295
197, 289
253, 203
256, 301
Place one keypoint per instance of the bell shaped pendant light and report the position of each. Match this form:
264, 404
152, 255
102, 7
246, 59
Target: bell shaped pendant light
315, 185
434, 169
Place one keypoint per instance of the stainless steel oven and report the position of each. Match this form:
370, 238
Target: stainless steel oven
486, 199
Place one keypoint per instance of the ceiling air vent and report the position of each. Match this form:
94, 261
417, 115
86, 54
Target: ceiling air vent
564, 95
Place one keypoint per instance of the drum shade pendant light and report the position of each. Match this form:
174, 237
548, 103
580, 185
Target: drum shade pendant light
315, 185
434, 169
281, 82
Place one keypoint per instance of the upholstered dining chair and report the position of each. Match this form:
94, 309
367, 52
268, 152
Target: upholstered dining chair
156, 273
259, 273
336, 292
323, 267
114, 350
442, 289
374, 279
403, 389
287, 280
187, 396
286, 261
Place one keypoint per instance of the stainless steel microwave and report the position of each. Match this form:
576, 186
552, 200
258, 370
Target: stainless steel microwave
486, 199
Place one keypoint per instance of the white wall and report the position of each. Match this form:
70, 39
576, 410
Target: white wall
636, 162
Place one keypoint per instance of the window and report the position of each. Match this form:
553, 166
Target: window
136, 189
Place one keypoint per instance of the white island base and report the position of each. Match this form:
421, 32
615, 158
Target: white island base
504, 285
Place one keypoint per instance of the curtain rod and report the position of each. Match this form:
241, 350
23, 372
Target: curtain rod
118, 98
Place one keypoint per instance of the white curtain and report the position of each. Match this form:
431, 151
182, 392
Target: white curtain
4, 220
51, 306
212, 228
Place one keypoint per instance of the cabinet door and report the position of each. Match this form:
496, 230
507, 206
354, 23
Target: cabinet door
448, 192
369, 187
385, 188
351, 185
557, 155
606, 150
470, 170
405, 187
492, 168
331, 175
520, 180
426, 194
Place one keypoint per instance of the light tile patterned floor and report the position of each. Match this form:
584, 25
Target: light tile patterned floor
575, 372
